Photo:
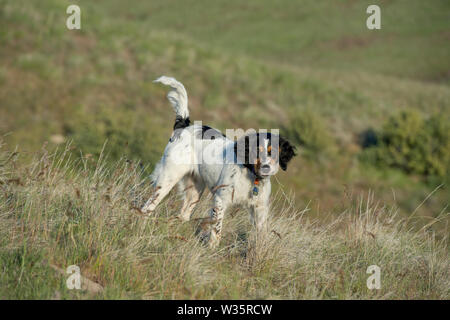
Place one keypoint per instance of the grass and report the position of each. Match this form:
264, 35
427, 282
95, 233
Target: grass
320, 34
94, 85
55, 215
254, 65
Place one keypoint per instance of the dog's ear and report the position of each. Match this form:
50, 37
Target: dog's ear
287, 152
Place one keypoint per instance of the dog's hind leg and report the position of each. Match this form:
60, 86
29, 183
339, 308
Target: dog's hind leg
192, 189
163, 182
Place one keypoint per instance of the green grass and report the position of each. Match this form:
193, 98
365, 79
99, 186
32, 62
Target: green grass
95, 85
51, 218
253, 65
321, 34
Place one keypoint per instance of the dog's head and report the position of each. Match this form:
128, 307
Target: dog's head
264, 153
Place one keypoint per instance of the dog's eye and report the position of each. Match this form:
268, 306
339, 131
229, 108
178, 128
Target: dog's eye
269, 150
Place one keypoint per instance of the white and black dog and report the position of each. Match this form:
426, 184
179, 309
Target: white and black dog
236, 172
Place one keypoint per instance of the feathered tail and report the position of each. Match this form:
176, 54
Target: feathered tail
178, 98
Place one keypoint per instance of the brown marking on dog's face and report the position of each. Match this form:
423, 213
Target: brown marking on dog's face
266, 162
258, 164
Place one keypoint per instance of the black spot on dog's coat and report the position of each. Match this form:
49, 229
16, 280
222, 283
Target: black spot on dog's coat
208, 133
181, 123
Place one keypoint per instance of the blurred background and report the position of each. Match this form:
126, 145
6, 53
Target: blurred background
368, 109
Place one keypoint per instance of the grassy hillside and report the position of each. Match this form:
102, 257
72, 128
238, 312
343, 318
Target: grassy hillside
310, 68
325, 34
95, 84
51, 218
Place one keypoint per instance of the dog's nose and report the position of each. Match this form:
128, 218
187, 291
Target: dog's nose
265, 168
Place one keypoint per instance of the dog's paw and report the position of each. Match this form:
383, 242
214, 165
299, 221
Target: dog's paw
146, 211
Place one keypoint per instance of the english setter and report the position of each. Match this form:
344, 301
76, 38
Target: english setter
236, 172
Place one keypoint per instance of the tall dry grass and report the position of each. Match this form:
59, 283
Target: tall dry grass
57, 211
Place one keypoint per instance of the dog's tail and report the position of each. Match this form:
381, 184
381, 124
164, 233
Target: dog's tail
179, 100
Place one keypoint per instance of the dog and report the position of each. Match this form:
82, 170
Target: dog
236, 172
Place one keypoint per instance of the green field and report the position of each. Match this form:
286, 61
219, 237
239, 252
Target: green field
327, 34
310, 68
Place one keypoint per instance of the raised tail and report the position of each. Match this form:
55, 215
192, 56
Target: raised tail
178, 98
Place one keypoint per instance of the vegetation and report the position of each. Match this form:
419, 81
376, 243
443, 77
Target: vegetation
311, 69
416, 145
306, 129
51, 219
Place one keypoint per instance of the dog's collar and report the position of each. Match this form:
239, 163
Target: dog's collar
255, 186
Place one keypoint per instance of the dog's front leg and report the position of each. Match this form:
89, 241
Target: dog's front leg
212, 238
258, 216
